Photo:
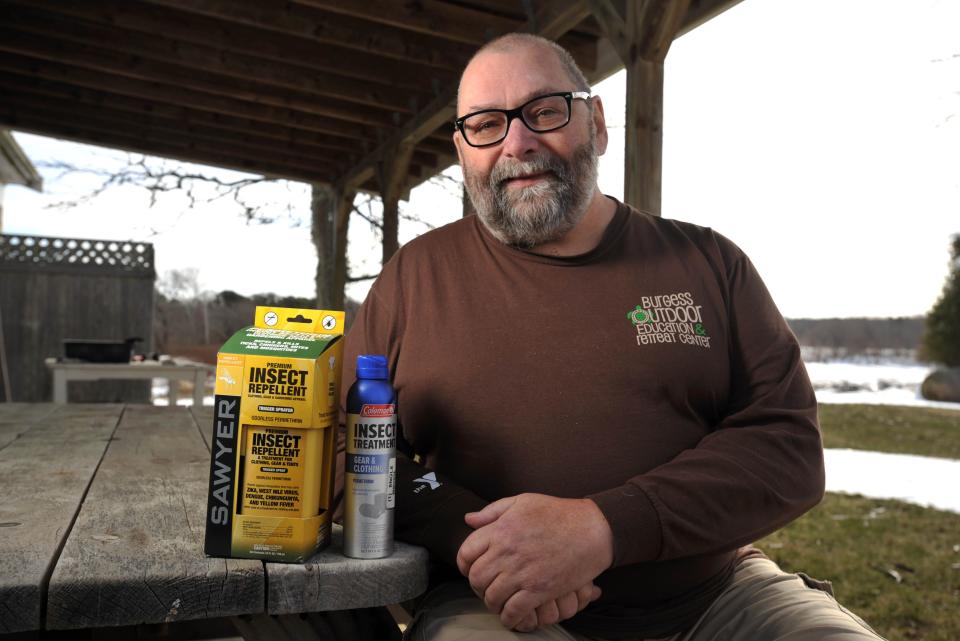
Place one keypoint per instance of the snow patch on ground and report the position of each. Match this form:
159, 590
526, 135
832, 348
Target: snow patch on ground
923, 480
895, 382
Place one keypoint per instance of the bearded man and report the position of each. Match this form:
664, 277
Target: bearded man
602, 409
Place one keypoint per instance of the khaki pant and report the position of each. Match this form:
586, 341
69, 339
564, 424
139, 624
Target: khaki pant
762, 603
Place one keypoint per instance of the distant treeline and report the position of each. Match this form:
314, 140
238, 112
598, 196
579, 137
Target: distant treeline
193, 325
856, 336
196, 327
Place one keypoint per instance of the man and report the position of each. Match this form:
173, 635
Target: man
602, 407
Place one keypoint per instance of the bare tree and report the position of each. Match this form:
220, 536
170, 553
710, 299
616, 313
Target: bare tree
160, 177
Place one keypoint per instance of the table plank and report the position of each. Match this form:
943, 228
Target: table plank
17, 418
135, 554
331, 581
44, 474
203, 415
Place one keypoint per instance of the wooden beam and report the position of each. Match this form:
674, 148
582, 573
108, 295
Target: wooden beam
329, 28
132, 124
23, 36
294, 147
44, 93
101, 130
433, 115
212, 67
653, 25
585, 51
172, 94
392, 177
429, 17
613, 24
443, 148
195, 153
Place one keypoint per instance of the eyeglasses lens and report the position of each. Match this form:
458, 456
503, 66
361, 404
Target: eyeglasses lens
540, 114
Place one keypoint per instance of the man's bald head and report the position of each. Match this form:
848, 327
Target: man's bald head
515, 41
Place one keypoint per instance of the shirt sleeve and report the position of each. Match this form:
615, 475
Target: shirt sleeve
429, 507
757, 470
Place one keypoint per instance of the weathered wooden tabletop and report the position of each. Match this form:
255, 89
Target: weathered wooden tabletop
102, 524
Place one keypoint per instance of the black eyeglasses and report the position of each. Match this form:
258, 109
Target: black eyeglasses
541, 114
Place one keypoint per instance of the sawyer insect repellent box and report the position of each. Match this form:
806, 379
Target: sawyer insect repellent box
273, 452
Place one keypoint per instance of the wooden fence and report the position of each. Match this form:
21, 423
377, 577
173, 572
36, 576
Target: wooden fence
57, 288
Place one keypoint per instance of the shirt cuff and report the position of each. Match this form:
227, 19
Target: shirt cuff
634, 521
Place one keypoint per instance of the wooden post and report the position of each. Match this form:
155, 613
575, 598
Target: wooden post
643, 157
393, 177
331, 207
642, 39
344, 208
323, 233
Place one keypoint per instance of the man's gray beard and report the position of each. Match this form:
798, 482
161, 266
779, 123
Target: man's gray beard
543, 212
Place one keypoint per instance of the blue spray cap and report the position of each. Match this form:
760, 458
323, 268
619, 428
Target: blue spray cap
372, 366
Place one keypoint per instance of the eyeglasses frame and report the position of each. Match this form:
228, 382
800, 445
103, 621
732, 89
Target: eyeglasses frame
513, 114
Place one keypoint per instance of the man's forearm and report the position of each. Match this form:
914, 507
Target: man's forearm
430, 510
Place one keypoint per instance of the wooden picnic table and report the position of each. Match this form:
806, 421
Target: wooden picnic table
102, 524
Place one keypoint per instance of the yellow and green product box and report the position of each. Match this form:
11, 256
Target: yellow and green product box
273, 452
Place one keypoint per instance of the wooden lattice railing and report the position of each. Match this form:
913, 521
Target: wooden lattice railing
106, 256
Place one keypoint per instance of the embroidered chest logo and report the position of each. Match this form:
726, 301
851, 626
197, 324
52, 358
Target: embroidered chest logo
669, 318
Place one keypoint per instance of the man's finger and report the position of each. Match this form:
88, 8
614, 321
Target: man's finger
568, 605
548, 614
502, 588
471, 549
528, 624
489, 514
585, 595
482, 573
517, 607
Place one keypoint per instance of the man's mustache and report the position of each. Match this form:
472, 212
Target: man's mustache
505, 170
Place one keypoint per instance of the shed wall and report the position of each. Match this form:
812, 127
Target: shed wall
57, 288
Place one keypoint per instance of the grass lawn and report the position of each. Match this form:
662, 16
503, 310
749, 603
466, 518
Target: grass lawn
896, 565
887, 428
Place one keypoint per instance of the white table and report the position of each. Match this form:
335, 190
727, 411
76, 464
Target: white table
74, 371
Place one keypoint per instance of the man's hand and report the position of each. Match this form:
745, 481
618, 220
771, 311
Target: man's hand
530, 550
559, 609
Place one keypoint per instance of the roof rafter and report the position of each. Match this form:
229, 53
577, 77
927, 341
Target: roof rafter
326, 27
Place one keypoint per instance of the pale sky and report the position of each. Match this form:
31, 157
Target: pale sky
822, 136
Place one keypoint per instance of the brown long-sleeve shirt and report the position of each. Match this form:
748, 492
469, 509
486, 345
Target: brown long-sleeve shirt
652, 374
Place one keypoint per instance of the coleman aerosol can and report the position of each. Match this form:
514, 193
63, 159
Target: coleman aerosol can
371, 462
